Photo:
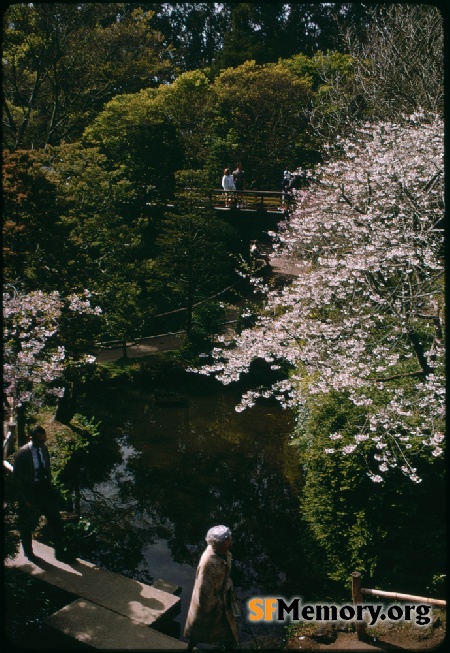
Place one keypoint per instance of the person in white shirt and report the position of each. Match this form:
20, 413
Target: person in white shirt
228, 185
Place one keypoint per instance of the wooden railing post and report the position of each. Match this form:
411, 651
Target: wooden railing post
357, 598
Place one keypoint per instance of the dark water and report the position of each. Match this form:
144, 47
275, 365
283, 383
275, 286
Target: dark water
176, 465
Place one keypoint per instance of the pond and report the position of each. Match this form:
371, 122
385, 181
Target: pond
177, 464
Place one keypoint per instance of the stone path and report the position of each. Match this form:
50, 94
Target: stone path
112, 611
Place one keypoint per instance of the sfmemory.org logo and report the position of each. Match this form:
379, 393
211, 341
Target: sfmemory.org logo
271, 608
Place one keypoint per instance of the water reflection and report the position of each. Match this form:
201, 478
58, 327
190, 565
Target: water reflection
187, 464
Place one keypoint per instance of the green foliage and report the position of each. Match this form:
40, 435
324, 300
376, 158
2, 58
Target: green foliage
104, 249
32, 232
188, 104
255, 30
263, 107
320, 69
194, 30
354, 521
334, 101
63, 61
138, 136
78, 535
192, 185
193, 260
208, 321
68, 442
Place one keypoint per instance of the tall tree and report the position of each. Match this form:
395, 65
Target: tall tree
254, 34
260, 112
33, 235
189, 104
268, 31
62, 62
135, 133
311, 27
400, 57
194, 258
194, 30
103, 249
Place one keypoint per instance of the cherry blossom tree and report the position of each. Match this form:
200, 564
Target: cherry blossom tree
34, 357
364, 316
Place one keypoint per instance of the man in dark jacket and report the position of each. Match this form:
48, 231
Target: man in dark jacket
36, 495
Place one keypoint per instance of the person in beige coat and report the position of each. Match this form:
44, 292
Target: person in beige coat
211, 615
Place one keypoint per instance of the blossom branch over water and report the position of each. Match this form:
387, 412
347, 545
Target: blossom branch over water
33, 356
365, 315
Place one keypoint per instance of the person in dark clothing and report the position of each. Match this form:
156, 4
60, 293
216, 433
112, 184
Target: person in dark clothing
239, 181
239, 177
36, 495
285, 187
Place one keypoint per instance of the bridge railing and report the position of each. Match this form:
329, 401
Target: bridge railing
256, 200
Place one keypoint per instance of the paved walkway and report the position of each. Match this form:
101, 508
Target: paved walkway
145, 347
281, 269
112, 611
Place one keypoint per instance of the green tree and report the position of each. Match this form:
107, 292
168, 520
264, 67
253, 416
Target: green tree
356, 525
313, 26
194, 259
268, 31
33, 236
136, 134
254, 33
189, 104
63, 61
334, 102
104, 249
263, 108
195, 30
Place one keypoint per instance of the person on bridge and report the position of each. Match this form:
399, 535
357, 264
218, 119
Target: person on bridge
286, 186
212, 610
239, 181
228, 186
36, 495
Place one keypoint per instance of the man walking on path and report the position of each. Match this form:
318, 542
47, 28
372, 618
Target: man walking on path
36, 495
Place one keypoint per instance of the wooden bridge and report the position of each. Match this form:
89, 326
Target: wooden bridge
279, 204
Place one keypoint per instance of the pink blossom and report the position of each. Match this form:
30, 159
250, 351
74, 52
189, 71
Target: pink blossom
367, 240
32, 357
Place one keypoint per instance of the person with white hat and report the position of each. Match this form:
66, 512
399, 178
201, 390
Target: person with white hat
211, 615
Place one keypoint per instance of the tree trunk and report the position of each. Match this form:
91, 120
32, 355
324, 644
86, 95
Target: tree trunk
189, 310
124, 348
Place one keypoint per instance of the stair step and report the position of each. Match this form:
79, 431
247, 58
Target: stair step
130, 598
99, 627
165, 586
